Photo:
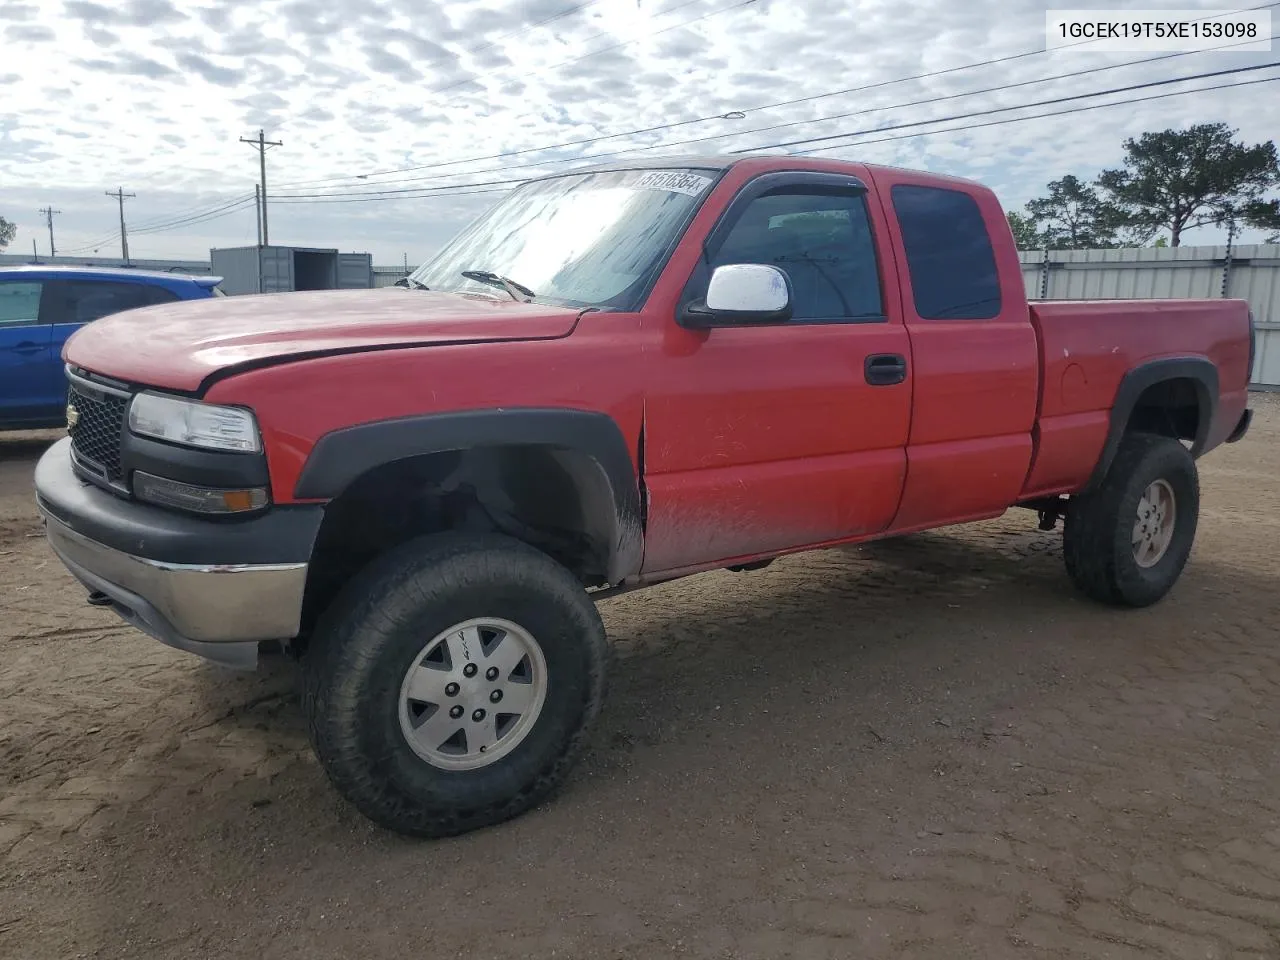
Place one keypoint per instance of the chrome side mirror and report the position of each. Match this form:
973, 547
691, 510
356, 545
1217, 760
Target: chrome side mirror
742, 293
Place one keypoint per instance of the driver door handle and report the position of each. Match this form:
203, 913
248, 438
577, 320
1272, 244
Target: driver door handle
885, 369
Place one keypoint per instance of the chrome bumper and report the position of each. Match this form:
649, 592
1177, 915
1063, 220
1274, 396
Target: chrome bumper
219, 612
216, 590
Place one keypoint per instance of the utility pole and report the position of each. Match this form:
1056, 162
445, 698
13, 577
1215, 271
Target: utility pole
257, 209
121, 196
262, 145
49, 214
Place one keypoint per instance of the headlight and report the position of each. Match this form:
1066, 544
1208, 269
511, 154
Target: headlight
194, 424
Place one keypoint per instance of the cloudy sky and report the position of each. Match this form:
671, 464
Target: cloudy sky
389, 109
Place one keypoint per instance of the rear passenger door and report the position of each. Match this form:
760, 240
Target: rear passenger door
977, 363
24, 354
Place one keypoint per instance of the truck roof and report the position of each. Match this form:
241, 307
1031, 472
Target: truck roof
722, 162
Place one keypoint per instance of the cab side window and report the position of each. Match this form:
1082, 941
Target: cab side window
82, 301
949, 255
19, 303
822, 241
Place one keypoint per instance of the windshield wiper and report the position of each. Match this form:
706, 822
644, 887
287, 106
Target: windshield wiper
410, 282
518, 291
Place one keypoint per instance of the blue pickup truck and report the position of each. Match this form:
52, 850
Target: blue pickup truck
41, 306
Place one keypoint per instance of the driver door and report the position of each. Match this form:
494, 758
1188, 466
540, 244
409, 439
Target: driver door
762, 438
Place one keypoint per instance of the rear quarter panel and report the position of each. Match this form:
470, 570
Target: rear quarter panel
1087, 348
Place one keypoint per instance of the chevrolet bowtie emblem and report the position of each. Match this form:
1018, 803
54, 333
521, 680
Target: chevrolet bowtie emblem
73, 415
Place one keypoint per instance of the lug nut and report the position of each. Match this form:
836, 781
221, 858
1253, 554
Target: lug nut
491, 674
455, 711
495, 696
451, 690
469, 670
478, 716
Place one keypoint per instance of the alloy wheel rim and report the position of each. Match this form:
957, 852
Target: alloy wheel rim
473, 693
1153, 528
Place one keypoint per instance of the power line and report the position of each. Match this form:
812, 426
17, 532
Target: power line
81, 248
1038, 116
234, 207
742, 133
1038, 103
178, 218
426, 191
174, 222
731, 115
461, 190
189, 212
262, 145
121, 196
941, 99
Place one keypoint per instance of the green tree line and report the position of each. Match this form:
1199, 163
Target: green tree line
1169, 182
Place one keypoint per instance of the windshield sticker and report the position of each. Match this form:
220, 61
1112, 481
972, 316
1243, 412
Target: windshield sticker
690, 184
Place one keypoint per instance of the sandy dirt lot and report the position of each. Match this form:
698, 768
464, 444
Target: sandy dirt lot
922, 748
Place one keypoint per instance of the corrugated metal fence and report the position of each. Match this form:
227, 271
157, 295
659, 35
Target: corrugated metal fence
387, 276
1246, 272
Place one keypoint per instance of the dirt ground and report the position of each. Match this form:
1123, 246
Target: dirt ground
923, 748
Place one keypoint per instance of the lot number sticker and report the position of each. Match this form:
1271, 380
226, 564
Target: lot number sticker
690, 184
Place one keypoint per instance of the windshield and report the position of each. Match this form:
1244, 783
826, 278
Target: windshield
588, 240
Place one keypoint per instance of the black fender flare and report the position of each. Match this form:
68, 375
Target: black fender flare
341, 456
1199, 370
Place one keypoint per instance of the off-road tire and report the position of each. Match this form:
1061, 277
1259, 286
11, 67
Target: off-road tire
1097, 542
369, 636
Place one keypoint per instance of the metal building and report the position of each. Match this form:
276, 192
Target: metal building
284, 269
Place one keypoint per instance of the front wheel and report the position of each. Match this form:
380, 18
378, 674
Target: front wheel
1127, 542
452, 684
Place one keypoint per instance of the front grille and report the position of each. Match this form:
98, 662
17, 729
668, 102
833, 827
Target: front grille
97, 429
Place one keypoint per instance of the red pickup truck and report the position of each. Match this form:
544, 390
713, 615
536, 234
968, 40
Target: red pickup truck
615, 377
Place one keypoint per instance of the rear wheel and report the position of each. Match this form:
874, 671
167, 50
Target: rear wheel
1127, 542
452, 684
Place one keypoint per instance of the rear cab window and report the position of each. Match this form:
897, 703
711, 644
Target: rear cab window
950, 258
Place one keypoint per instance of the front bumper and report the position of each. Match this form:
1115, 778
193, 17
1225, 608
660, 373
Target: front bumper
215, 589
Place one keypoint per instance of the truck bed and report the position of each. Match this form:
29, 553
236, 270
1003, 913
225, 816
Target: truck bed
1087, 347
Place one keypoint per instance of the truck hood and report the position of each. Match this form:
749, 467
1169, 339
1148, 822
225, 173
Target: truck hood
179, 345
